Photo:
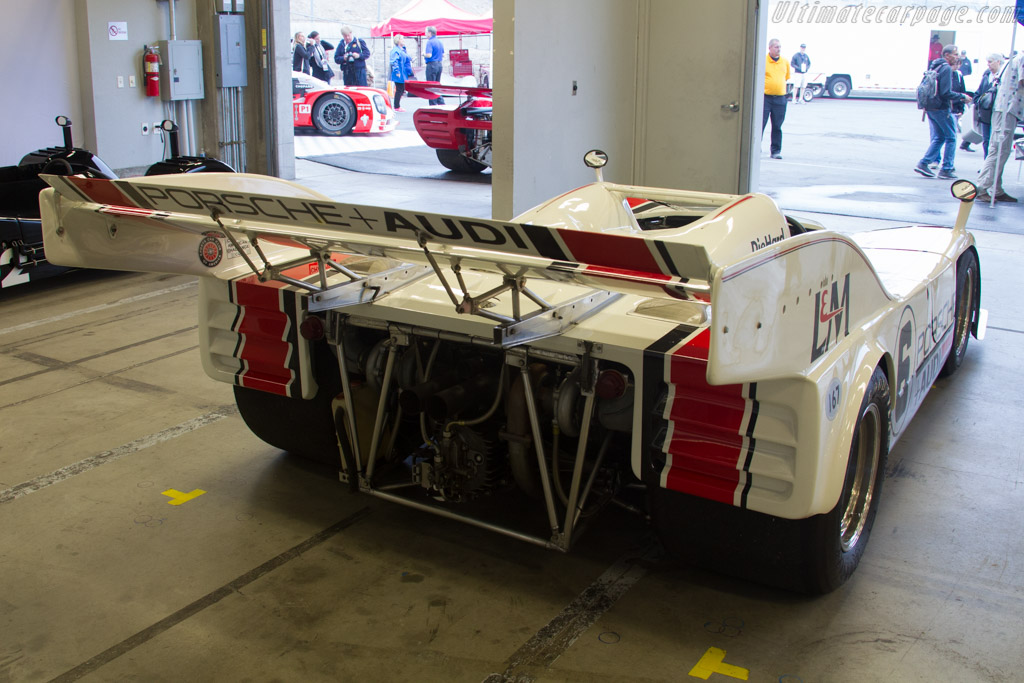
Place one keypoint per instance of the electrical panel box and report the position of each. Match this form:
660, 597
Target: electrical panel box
230, 47
239, 5
181, 71
224, 5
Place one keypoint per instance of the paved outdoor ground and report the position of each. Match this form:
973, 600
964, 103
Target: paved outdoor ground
856, 158
841, 159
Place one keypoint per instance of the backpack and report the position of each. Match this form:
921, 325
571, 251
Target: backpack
928, 90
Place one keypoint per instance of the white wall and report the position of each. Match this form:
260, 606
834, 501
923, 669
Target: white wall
696, 57
652, 77
114, 116
38, 78
540, 49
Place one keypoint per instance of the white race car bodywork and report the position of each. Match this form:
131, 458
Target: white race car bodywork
748, 340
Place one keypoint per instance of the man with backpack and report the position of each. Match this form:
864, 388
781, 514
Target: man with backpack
934, 96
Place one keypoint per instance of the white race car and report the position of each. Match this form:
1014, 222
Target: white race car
747, 371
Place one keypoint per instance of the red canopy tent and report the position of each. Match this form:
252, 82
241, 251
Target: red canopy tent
449, 20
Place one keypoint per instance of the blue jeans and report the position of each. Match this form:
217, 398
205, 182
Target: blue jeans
434, 74
986, 134
774, 107
943, 132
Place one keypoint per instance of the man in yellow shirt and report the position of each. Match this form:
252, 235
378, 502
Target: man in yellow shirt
776, 73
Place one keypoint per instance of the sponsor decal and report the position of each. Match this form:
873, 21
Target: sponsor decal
10, 270
210, 250
833, 397
831, 316
904, 366
767, 240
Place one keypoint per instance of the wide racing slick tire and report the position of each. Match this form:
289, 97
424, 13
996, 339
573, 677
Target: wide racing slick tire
836, 540
301, 427
967, 298
334, 114
454, 161
814, 555
839, 88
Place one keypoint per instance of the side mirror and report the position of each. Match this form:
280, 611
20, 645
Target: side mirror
171, 128
964, 190
596, 159
65, 123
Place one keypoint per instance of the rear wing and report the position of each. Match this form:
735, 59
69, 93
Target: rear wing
430, 90
214, 225
772, 313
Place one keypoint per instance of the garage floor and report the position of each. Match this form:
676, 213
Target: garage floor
268, 570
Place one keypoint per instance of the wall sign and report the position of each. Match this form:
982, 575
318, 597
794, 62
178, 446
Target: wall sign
117, 30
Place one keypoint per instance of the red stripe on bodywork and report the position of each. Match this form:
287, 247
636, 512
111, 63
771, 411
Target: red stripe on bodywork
730, 206
264, 327
610, 251
625, 273
707, 438
100, 191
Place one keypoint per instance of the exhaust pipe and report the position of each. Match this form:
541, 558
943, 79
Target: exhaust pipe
477, 392
413, 400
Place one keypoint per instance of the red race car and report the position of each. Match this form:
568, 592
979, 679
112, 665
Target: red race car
461, 136
340, 110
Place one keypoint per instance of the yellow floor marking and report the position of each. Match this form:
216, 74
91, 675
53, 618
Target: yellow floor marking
178, 497
711, 663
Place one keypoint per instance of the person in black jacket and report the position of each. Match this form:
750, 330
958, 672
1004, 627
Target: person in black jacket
940, 119
352, 55
958, 107
318, 58
300, 55
800, 63
982, 113
965, 67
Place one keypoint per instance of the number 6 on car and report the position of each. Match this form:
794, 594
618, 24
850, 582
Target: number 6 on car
750, 370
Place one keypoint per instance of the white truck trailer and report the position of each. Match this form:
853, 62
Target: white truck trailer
874, 48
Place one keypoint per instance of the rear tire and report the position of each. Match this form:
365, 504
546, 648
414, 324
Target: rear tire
454, 161
967, 280
300, 427
836, 540
813, 555
334, 114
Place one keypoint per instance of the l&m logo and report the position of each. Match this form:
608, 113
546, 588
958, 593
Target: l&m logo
831, 316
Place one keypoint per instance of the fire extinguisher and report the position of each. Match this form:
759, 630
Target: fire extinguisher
151, 67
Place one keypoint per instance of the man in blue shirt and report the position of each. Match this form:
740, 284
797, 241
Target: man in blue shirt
433, 54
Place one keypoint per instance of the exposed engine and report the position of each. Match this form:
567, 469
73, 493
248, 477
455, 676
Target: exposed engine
457, 418
478, 142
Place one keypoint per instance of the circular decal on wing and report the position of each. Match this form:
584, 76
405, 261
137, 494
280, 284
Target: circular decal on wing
833, 397
210, 251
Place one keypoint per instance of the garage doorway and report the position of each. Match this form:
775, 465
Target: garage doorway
854, 155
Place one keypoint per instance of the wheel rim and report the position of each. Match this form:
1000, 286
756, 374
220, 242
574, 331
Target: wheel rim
334, 115
862, 489
965, 299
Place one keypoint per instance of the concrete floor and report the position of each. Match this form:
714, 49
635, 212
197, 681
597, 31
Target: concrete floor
276, 573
